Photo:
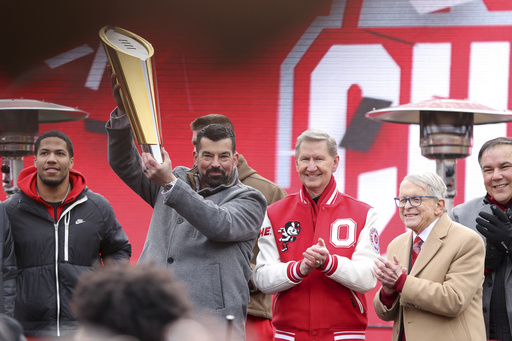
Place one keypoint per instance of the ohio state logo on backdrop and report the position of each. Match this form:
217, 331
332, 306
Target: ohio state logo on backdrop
360, 58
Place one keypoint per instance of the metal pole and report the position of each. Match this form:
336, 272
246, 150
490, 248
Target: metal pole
445, 168
11, 168
229, 319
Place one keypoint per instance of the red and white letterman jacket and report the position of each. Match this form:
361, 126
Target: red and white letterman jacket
331, 299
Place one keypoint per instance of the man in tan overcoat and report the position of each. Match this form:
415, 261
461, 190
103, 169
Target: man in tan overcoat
439, 297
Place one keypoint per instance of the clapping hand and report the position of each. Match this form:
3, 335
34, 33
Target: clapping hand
314, 257
493, 256
496, 228
387, 272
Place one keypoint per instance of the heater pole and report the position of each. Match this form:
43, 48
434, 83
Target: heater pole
445, 168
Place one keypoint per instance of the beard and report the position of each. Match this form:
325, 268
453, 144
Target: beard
215, 180
52, 182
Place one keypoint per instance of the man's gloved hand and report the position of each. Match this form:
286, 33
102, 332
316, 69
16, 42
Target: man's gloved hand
493, 256
496, 228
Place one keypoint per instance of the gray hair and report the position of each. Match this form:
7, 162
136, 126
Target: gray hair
435, 184
317, 135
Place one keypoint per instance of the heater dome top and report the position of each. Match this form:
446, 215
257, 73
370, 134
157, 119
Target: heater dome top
410, 113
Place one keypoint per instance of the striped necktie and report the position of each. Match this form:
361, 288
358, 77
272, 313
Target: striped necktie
416, 248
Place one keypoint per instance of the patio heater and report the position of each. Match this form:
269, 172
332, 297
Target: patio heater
19, 129
446, 130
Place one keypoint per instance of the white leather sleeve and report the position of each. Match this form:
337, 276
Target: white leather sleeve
270, 274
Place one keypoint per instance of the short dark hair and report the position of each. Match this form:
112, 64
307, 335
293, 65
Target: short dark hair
216, 132
491, 144
54, 133
203, 121
139, 300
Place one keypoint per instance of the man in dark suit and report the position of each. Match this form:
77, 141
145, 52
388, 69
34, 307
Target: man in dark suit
489, 215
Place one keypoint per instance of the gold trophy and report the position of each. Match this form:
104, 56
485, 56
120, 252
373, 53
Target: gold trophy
131, 59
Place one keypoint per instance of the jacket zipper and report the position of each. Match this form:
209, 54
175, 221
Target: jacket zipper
67, 217
56, 225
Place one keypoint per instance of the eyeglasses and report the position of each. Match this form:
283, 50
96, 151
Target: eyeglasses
414, 201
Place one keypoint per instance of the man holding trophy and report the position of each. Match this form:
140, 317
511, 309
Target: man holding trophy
205, 221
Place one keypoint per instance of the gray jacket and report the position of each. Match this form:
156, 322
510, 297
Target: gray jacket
466, 214
205, 237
